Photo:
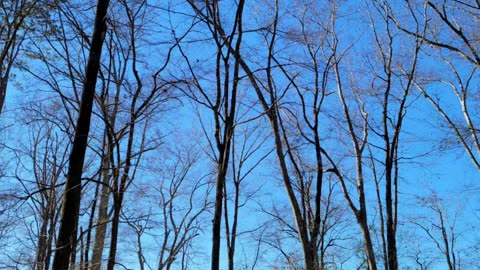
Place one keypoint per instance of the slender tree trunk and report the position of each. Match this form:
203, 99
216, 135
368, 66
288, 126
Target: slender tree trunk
108, 172
51, 231
41, 245
217, 219
372, 264
231, 251
3, 84
93, 209
102, 218
232, 235
141, 259
301, 225
271, 113
362, 219
224, 150
380, 215
67, 235
120, 188
224, 137
82, 251
114, 239
223, 110
391, 234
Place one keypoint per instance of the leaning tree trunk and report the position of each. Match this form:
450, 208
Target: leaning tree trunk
67, 235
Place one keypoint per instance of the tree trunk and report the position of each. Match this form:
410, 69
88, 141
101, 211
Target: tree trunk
86, 254
232, 236
67, 235
41, 245
3, 91
224, 150
115, 222
308, 256
372, 264
362, 220
217, 216
391, 230
102, 219
119, 189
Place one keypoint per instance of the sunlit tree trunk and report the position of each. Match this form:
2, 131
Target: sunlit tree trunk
102, 217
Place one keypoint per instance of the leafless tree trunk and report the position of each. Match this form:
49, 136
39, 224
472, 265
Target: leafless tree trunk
359, 142
141, 108
49, 212
270, 104
102, 216
392, 124
223, 104
110, 104
271, 111
67, 235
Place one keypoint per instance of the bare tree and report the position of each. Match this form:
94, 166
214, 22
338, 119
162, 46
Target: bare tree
67, 234
222, 102
183, 200
458, 18
441, 230
248, 152
16, 17
49, 165
39, 171
56, 78
457, 21
307, 217
397, 80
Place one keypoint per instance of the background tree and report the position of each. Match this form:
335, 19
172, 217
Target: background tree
44, 158
18, 20
183, 204
248, 153
456, 52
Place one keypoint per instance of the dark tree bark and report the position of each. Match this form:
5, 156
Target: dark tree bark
68, 228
